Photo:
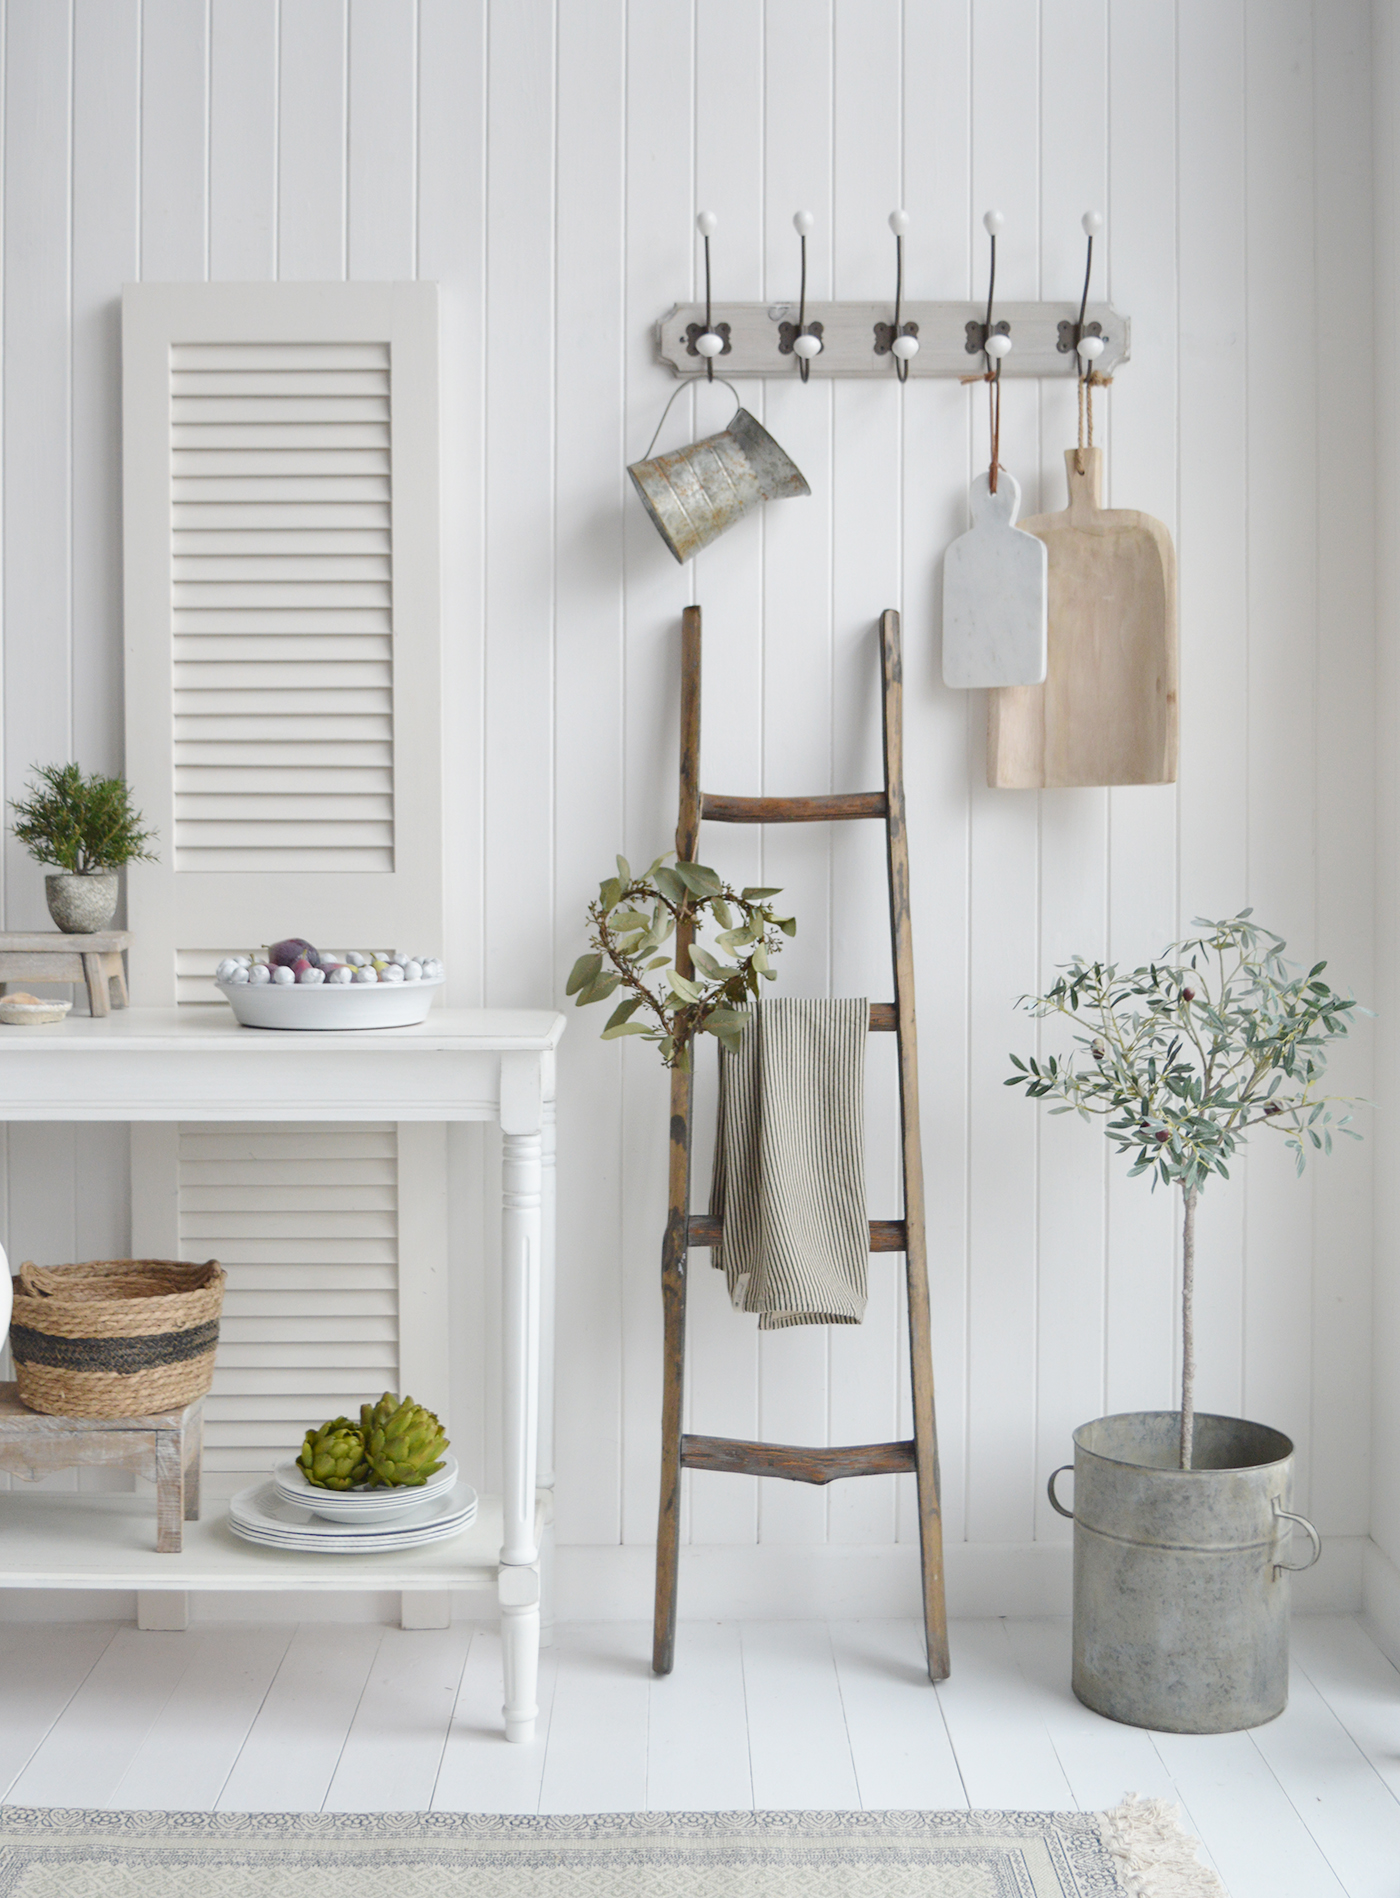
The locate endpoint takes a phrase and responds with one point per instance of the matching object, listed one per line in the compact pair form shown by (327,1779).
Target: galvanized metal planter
(694,493)
(1181,1593)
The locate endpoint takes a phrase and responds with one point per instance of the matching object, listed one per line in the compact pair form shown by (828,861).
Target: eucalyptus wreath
(1183,1058)
(632,920)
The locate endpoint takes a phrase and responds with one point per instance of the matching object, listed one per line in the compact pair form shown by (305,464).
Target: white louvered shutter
(283,704)
(282,580)
(332,1236)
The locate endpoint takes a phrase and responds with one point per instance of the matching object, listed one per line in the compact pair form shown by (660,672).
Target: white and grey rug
(1136,1851)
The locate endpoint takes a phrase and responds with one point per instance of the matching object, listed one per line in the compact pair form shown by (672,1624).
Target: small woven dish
(115,1337)
(27,1011)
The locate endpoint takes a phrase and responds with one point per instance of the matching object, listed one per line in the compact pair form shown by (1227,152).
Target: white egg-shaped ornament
(311,978)
(905,347)
(259,975)
(241,976)
(341,977)
(412,970)
(394,973)
(225,969)
(365,975)
(283,976)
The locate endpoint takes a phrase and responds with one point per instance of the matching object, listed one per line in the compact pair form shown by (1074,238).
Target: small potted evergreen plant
(1181,1521)
(87,828)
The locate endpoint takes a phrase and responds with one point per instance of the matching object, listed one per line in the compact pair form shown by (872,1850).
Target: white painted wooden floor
(260,1717)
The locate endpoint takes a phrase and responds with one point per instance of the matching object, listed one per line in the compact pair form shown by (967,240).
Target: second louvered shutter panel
(283,695)
(332,1238)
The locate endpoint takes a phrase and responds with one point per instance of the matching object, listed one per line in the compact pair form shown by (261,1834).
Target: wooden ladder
(685,1229)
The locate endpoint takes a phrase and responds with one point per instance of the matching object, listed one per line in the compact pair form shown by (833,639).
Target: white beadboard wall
(543,160)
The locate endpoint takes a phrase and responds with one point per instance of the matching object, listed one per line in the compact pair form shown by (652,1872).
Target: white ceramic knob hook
(807,346)
(709,344)
(992,223)
(706,223)
(998,344)
(899,223)
(1090,348)
(803,223)
(1091,223)
(904,347)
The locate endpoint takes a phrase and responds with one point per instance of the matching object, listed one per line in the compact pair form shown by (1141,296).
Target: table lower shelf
(61,1539)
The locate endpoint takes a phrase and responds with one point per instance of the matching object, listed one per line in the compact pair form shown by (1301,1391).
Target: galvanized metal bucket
(1181,1591)
(694,493)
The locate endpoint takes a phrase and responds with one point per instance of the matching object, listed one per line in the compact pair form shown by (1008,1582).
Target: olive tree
(1185,1058)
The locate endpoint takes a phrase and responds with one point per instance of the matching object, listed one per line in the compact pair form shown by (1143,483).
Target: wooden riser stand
(685,1230)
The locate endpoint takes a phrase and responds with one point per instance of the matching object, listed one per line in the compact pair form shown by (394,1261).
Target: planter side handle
(1060,1509)
(1284,1515)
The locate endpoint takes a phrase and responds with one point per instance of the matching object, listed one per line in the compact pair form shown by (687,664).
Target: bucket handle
(1295,1568)
(738,404)
(1055,1502)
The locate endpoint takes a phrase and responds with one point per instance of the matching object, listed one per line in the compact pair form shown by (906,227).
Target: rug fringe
(1156,1858)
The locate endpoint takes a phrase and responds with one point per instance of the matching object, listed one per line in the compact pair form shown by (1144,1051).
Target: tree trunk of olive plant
(1188,1329)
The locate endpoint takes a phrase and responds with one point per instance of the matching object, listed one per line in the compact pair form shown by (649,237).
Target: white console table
(149,1064)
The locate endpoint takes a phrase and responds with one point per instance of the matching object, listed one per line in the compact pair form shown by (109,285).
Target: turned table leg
(521,1237)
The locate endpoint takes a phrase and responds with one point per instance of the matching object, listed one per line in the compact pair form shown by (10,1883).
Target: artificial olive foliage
(81,824)
(1188,1054)
(632,920)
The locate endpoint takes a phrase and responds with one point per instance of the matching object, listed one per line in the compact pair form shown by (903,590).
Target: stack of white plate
(263,1514)
(376,1506)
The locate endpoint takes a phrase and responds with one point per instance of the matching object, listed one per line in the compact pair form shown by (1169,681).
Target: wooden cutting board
(994,594)
(1107,712)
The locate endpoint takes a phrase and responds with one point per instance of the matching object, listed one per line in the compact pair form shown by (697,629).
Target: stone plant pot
(82,905)
(1181,1592)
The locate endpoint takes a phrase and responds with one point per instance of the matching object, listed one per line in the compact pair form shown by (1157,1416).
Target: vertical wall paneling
(1283,606)
(243,139)
(382,99)
(311,142)
(1140,430)
(1003,937)
(590,451)
(174,141)
(866,534)
(659,255)
(1345,657)
(738,1385)
(939,419)
(451,252)
(542,161)
(1213,800)
(1073,1158)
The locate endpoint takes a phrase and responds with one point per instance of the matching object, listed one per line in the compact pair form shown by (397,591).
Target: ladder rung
(796,1464)
(793,810)
(886,1235)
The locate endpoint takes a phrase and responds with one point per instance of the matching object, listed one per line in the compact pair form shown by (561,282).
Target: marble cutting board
(994,595)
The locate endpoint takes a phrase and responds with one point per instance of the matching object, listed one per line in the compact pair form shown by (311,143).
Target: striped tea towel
(789,1177)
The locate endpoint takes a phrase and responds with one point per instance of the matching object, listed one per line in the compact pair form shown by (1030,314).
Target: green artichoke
(333,1457)
(403,1442)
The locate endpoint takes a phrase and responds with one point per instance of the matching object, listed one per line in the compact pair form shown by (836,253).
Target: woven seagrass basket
(115,1337)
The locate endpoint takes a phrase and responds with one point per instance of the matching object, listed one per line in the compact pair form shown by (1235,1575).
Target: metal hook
(710,339)
(992,340)
(900,340)
(801,339)
(1085,339)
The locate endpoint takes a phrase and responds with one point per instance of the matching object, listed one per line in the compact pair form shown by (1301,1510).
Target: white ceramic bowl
(329,1005)
(361,1505)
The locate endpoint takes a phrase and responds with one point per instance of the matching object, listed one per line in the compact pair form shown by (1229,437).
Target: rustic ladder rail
(685,1229)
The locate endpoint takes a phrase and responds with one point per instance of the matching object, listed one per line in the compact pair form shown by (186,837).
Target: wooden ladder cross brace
(685,1229)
